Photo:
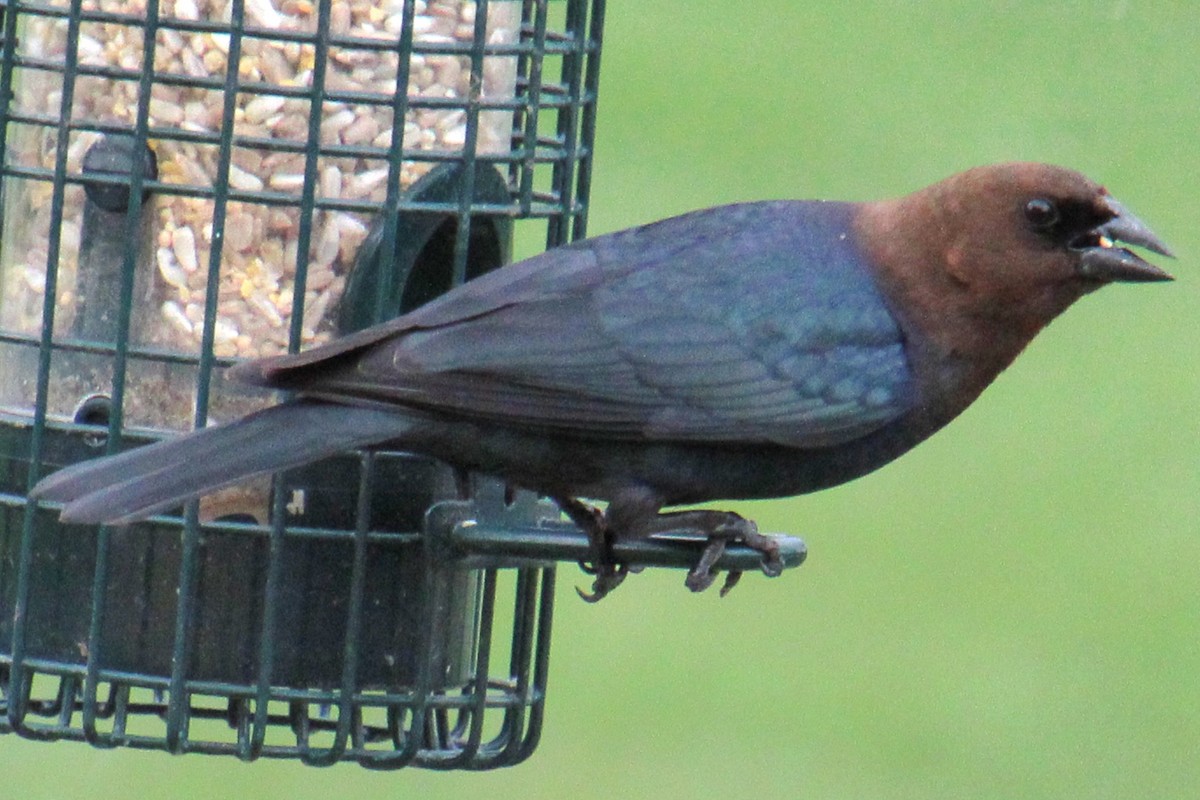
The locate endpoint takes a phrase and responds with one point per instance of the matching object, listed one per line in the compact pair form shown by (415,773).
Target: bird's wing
(751,323)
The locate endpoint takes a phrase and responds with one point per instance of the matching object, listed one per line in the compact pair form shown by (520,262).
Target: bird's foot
(721,528)
(607,573)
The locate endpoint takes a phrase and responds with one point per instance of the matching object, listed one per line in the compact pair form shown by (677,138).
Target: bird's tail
(146,480)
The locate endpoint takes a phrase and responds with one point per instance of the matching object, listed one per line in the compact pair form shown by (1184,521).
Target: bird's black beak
(1102,260)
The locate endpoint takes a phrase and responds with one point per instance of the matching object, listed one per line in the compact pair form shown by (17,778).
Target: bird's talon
(772,562)
(607,579)
(699,581)
(731,580)
(701,576)
(772,566)
(594,597)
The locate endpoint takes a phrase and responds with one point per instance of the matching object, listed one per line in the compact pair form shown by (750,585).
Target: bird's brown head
(991,255)
(1012,227)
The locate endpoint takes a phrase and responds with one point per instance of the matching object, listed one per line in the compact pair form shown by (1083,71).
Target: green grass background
(1012,610)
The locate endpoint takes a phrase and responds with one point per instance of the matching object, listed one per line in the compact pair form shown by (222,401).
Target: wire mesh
(191,182)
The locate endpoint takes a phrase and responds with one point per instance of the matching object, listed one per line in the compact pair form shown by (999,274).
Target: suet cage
(187,183)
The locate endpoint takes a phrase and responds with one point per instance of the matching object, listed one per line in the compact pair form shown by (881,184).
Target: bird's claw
(731,580)
(701,576)
(772,561)
(698,581)
(747,533)
(738,529)
(608,573)
(608,577)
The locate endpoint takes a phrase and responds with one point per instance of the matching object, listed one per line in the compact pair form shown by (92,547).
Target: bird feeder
(188,183)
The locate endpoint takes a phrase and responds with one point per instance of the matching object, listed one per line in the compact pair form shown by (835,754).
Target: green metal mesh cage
(190,182)
(187,183)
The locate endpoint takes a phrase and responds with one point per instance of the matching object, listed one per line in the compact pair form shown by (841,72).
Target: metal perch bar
(510,544)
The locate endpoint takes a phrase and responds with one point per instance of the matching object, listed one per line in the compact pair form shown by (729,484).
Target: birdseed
(259,241)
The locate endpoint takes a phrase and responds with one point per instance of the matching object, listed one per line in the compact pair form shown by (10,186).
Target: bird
(753,350)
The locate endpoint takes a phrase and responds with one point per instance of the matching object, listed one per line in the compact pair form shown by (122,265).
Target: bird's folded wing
(719,333)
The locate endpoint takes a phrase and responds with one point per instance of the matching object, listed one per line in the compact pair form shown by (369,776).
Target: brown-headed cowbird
(747,351)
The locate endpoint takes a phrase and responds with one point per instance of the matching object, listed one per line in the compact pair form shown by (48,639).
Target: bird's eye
(1041,213)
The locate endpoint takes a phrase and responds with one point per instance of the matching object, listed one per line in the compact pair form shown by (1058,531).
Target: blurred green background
(1013,610)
